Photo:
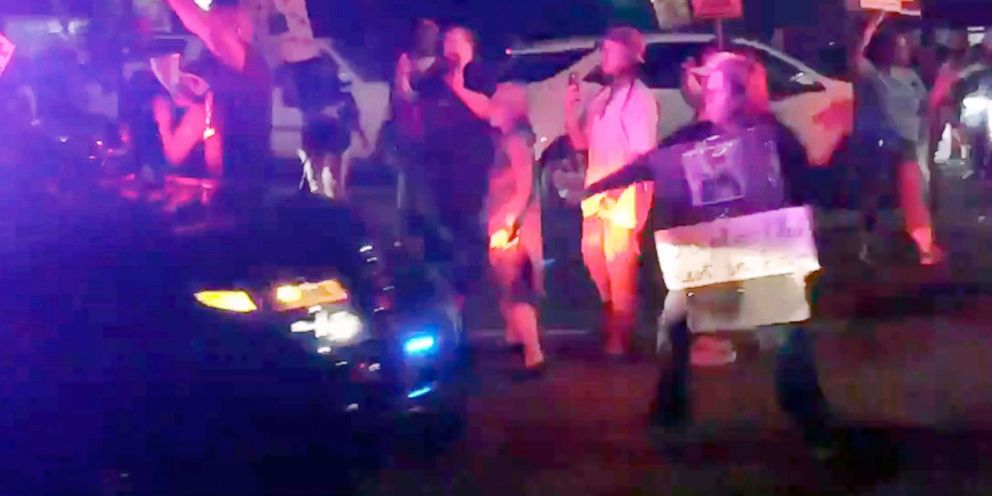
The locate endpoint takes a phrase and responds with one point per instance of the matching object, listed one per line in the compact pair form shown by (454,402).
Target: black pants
(877,166)
(796,383)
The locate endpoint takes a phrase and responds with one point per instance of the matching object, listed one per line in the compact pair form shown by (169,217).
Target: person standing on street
(458,152)
(735,110)
(412,65)
(890,102)
(619,125)
(239,78)
(514,211)
(413,198)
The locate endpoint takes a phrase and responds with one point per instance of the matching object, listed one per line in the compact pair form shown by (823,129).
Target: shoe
(864,254)
(514,348)
(663,434)
(531,373)
(934,256)
(825,448)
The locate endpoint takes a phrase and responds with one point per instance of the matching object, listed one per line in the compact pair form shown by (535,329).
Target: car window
(533,68)
(781,74)
(663,62)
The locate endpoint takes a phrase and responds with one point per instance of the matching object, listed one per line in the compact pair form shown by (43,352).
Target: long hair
(757,98)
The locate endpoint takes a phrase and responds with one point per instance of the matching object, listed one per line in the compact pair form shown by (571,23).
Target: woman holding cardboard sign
(737,255)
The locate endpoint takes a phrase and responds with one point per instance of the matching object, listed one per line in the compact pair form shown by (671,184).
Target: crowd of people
(469,186)
(447,102)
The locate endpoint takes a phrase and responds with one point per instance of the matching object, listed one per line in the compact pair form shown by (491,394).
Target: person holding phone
(618,125)
(455,95)
(241,83)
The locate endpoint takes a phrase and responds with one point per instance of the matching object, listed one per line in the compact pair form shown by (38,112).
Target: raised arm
(477,102)
(574,122)
(637,172)
(219,35)
(180,140)
(402,86)
(860,63)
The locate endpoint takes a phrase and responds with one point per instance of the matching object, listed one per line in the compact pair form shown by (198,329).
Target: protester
(734,107)
(942,116)
(413,195)
(970,92)
(241,84)
(888,127)
(514,211)
(619,125)
(458,151)
(413,65)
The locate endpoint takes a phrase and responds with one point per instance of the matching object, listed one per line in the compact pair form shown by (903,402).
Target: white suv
(799,94)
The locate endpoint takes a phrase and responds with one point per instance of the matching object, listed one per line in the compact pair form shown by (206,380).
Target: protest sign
(6,52)
(773,243)
(717,9)
(905,7)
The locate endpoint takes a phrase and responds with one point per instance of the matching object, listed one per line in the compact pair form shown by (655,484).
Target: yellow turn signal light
(231,301)
(308,294)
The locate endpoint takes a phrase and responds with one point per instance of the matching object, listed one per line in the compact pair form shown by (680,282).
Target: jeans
(797,385)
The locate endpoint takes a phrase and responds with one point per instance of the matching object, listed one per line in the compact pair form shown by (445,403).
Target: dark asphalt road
(903,354)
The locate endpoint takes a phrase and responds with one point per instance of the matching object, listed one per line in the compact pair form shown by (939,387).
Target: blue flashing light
(416,393)
(419,345)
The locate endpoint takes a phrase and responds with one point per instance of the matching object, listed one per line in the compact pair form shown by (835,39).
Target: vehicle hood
(288,239)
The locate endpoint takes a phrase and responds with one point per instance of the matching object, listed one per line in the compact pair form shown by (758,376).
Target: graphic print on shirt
(715,172)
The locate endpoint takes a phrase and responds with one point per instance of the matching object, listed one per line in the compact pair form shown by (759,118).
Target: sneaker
(662,434)
(514,348)
(931,257)
(531,373)
(864,254)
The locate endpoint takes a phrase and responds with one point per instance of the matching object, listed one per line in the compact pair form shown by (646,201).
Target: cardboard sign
(774,243)
(905,7)
(717,9)
(6,52)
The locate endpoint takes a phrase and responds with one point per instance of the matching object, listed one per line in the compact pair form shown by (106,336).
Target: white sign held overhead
(6,52)
(905,7)
(717,9)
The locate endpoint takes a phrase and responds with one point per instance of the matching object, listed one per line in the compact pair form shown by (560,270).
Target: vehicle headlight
(341,326)
(975,107)
(308,294)
(230,301)
(337,326)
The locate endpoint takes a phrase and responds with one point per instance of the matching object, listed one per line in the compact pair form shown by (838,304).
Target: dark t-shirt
(445,114)
(243,112)
(458,143)
(762,184)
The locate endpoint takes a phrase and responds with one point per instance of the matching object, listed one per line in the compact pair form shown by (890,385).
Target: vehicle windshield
(537,67)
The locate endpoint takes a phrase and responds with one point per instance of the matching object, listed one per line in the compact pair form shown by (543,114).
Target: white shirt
(903,94)
(622,126)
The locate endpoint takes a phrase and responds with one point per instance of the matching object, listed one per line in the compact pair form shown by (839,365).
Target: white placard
(6,52)
(774,243)
(904,7)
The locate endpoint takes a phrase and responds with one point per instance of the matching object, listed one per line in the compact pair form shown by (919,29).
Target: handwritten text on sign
(772,243)
(717,9)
